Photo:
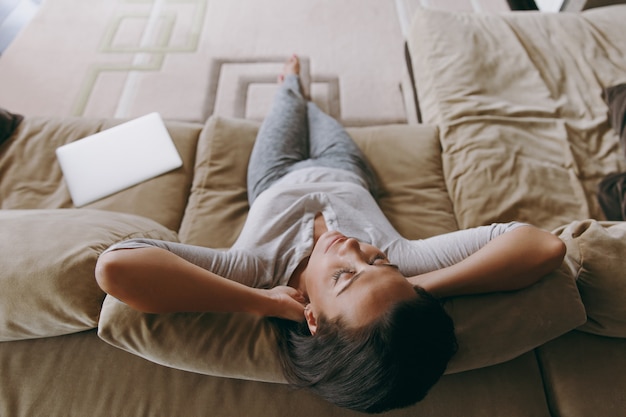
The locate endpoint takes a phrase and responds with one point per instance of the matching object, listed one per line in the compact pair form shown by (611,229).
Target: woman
(357,305)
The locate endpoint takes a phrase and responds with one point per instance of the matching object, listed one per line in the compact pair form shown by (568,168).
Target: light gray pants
(297,134)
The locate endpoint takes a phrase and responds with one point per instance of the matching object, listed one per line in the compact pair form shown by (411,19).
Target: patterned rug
(188,59)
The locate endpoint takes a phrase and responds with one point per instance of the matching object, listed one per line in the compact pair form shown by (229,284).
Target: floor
(189,59)
(14,15)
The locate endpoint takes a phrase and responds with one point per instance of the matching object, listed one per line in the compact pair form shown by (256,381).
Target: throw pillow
(47,282)
(595,253)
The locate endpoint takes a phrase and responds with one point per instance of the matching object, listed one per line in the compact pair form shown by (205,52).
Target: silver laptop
(117,158)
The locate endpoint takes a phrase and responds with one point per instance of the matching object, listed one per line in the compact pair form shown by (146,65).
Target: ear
(311,319)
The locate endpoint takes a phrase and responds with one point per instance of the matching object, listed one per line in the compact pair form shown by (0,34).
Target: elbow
(109,273)
(553,252)
(119,274)
(556,250)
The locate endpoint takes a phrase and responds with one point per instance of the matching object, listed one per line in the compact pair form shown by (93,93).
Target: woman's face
(352,280)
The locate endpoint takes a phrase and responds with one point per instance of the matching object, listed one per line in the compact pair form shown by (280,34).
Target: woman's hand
(285,302)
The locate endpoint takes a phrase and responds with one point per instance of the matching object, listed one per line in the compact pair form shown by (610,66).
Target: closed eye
(378,257)
(340,272)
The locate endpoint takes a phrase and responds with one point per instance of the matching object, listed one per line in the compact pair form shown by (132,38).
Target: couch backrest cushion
(407,160)
(47,281)
(31,178)
(518,99)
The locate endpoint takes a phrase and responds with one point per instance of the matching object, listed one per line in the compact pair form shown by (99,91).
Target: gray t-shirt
(278,233)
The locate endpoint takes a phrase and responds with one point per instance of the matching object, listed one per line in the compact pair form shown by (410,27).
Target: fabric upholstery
(584,375)
(79,375)
(502,150)
(516,118)
(47,285)
(31,178)
(229,345)
(493,328)
(595,253)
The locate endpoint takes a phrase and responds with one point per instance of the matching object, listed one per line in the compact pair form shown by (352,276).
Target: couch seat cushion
(584,375)
(47,283)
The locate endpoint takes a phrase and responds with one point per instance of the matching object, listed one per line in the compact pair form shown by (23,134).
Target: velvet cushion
(595,253)
(47,282)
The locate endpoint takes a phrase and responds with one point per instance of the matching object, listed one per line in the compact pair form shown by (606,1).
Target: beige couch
(492,150)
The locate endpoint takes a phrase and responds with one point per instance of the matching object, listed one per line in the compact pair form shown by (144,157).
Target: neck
(297,279)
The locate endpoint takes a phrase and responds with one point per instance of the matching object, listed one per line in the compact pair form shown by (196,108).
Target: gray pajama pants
(297,134)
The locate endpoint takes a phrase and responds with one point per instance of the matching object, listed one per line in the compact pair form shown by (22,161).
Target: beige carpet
(188,59)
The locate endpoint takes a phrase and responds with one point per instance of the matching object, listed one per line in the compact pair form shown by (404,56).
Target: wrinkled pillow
(596,254)
(491,329)
(47,282)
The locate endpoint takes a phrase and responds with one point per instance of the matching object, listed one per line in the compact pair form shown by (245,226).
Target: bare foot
(292,66)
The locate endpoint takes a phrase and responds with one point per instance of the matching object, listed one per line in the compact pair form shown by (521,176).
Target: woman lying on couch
(356,305)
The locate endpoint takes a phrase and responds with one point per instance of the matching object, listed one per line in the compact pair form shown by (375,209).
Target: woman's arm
(511,261)
(154,280)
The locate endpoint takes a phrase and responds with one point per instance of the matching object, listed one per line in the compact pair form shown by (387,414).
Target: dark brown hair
(390,363)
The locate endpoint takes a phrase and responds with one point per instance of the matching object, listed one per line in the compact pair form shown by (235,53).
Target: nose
(352,243)
(352,247)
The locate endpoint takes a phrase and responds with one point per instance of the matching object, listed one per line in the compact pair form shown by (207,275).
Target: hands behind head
(286,303)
